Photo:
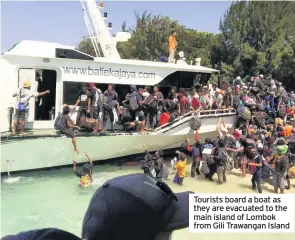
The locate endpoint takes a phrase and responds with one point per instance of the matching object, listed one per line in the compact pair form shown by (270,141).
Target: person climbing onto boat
(24,95)
(85,174)
(84,103)
(65,125)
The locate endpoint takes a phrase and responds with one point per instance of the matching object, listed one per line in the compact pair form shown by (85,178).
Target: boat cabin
(62,70)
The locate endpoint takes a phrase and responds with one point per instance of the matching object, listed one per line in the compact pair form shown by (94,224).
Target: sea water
(54,198)
(49,199)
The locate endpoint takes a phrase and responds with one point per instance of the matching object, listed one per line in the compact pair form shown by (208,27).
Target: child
(180,169)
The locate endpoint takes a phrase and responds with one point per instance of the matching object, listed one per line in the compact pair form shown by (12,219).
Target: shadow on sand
(249,186)
(237,174)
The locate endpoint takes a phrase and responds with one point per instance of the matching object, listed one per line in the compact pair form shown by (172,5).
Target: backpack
(184,145)
(165,171)
(195,123)
(133,104)
(196,151)
(151,103)
(205,169)
(100,99)
(20,106)
(236,101)
(282,111)
(59,122)
(291,145)
(222,157)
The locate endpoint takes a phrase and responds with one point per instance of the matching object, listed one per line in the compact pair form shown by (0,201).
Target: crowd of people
(262,143)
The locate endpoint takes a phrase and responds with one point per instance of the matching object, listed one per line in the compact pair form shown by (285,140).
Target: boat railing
(201,114)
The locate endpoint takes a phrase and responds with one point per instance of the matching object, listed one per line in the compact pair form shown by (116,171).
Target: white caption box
(234,213)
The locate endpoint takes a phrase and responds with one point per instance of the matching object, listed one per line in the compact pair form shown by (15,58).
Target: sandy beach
(235,184)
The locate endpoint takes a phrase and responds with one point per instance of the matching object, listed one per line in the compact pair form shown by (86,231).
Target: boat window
(71,54)
(71,91)
(184,79)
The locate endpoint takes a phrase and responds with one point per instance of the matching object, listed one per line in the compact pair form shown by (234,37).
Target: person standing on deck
(172,44)
(84,103)
(85,174)
(112,100)
(95,109)
(183,104)
(22,105)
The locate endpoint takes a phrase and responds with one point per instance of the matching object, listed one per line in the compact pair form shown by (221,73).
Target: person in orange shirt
(172,44)
(180,169)
(288,129)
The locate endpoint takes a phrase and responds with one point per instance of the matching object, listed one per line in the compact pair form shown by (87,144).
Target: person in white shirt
(145,93)
(23,95)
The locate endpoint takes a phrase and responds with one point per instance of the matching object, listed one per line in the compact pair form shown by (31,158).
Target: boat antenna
(101,35)
(90,31)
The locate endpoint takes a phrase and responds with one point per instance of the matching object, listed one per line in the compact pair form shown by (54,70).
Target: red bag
(164,118)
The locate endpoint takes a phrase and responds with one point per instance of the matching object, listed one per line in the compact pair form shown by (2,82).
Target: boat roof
(30,48)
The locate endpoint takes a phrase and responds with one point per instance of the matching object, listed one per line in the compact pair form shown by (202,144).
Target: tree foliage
(256,37)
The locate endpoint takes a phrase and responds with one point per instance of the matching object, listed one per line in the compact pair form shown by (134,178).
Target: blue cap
(134,207)
(41,234)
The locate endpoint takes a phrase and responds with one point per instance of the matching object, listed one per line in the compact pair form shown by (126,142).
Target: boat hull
(39,152)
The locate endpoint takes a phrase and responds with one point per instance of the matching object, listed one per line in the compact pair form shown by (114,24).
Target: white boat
(61,70)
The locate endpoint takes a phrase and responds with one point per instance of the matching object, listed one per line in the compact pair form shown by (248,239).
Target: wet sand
(235,185)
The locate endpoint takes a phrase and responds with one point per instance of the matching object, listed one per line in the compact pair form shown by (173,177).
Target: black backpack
(236,101)
(195,123)
(133,104)
(60,123)
(222,157)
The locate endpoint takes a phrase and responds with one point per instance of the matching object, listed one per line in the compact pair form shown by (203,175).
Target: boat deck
(54,133)
(43,133)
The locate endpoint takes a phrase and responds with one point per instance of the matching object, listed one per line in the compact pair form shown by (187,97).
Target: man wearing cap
(133,207)
(24,95)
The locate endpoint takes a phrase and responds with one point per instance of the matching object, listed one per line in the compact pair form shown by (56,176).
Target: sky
(62,22)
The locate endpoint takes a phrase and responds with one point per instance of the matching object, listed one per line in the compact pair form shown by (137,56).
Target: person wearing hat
(24,95)
(279,164)
(133,207)
(237,81)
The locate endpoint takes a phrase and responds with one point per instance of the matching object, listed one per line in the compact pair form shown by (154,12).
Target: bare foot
(76,150)
(13,134)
